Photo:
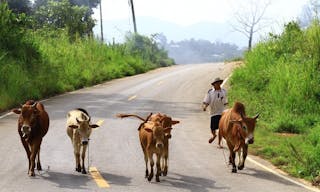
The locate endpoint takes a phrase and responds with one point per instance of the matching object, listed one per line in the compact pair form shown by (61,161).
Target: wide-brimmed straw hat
(217,80)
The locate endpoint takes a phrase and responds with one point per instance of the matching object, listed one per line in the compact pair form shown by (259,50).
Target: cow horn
(34,105)
(85,117)
(242,116)
(257,115)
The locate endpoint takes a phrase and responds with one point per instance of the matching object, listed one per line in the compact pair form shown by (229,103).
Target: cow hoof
(78,169)
(241,167)
(31,174)
(150,177)
(165,172)
(234,170)
(157,179)
(39,168)
(84,171)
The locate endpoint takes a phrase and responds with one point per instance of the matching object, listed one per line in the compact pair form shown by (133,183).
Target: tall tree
(250,19)
(61,14)
(20,6)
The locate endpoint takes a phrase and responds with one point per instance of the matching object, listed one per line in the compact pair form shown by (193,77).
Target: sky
(190,12)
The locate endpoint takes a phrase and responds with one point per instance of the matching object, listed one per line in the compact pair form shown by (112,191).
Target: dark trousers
(214,124)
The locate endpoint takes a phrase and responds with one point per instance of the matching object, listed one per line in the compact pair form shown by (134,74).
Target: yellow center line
(101,182)
(132,97)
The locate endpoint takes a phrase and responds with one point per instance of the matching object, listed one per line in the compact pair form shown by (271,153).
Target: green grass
(62,65)
(280,79)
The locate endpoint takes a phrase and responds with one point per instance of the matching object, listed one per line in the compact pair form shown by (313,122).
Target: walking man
(216,98)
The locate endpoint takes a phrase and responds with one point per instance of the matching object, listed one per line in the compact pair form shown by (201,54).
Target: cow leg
(158,168)
(151,165)
(76,148)
(244,156)
(146,161)
(39,168)
(28,152)
(83,156)
(165,163)
(232,157)
(34,151)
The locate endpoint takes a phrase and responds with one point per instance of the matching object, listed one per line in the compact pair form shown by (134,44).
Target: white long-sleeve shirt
(216,99)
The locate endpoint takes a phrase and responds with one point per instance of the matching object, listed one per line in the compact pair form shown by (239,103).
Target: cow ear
(175,122)
(74,126)
(148,130)
(94,126)
(167,130)
(16,111)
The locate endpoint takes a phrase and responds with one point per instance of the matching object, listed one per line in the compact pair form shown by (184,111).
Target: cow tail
(238,145)
(130,115)
(144,121)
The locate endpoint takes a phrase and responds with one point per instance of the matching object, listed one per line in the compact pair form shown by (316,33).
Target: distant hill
(198,43)
(221,32)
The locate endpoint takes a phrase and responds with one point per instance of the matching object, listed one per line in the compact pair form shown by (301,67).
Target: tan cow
(153,140)
(33,125)
(79,130)
(237,129)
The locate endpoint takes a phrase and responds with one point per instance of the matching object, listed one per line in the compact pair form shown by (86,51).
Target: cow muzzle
(85,141)
(25,129)
(249,140)
(159,145)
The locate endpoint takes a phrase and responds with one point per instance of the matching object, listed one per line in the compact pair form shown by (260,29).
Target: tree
(250,19)
(20,6)
(63,15)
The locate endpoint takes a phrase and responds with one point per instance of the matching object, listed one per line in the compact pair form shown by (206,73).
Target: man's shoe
(212,139)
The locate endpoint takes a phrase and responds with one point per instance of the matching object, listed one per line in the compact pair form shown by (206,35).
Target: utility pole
(101,27)
(133,16)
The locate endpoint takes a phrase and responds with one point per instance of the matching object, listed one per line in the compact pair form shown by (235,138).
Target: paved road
(115,151)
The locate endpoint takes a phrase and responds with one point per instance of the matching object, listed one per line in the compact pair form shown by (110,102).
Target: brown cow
(237,129)
(79,129)
(152,139)
(33,125)
(166,121)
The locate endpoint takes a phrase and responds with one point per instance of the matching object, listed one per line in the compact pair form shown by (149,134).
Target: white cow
(79,130)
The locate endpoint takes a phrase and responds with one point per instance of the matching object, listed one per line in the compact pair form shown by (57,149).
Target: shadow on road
(194,184)
(67,180)
(116,179)
(264,175)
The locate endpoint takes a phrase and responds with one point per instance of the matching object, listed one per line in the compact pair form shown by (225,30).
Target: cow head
(165,121)
(247,126)
(28,118)
(84,128)
(158,133)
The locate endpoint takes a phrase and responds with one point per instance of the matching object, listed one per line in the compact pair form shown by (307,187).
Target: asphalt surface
(114,149)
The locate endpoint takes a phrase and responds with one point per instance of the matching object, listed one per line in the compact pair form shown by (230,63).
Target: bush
(281,79)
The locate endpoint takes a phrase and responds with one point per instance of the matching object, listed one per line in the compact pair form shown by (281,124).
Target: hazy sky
(188,12)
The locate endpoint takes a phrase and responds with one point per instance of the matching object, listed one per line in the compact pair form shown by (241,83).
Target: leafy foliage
(63,15)
(281,79)
(12,35)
